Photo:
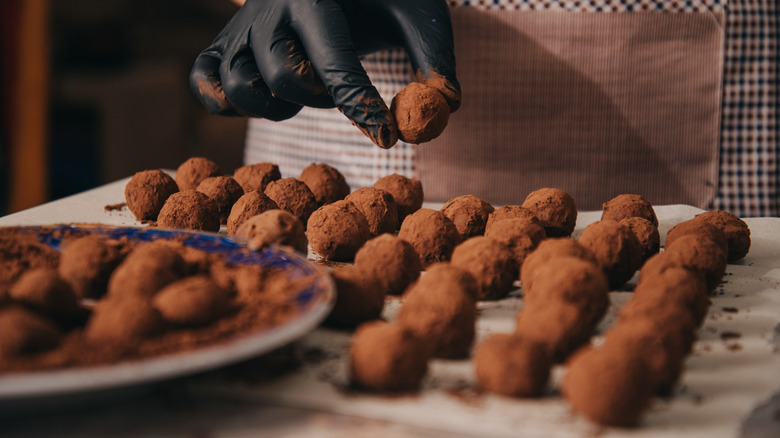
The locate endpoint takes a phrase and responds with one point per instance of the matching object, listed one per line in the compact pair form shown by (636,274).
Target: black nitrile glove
(275,56)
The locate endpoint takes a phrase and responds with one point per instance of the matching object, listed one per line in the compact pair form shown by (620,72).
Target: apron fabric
(595,97)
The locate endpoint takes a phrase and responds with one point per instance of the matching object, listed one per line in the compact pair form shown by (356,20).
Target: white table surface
(299,390)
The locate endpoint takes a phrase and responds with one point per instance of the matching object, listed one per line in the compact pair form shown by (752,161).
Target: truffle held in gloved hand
(275,56)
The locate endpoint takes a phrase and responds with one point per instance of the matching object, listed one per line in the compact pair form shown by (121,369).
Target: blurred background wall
(95,91)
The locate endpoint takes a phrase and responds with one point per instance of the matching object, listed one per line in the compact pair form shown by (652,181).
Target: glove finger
(247,92)
(325,34)
(428,39)
(207,86)
(287,69)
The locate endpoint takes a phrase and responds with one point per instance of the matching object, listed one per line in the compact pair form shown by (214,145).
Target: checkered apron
(673,99)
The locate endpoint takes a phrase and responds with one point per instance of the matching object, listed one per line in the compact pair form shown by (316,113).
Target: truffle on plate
(87,263)
(421,113)
(337,231)
(407,193)
(224,191)
(189,209)
(42,289)
(359,297)
(391,260)
(326,182)
(520,235)
(247,206)
(146,193)
(294,196)
(555,209)
(192,301)
(432,235)
(628,205)
(123,320)
(441,308)
(491,263)
(255,177)
(512,365)
(735,229)
(23,332)
(274,227)
(469,214)
(147,268)
(194,170)
(379,208)
(387,357)
(616,249)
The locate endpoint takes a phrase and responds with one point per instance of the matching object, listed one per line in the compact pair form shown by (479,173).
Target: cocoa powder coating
(646,234)
(359,297)
(294,196)
(521,235)
(86,264)
(546,251)
(421,113)
(326,182)
(702,255)
(392,261)
(144,271)
(379,208)
(247,206)
(509,212)
(337,231)
(274,227)
(616,249)
(432,235)
(491,263)
(387,357)
(257,176)
(127,320)
(224,191)
(676,287)
(511,365)
(469,214)
(43,290)
(628,205)
(735,230)
(190,173)
(407,193)
(146,193)
(191,210)
(555,209)
(559,326)
(698,228)
(25,332)
(192,301)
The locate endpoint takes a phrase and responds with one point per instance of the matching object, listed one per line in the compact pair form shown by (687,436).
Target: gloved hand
(275,56)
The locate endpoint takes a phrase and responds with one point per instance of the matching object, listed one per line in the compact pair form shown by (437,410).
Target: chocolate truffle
(698,228)
(191,172)
(407,193)
(326,182)
(293,196)
(191,210)
(43,290)
(123,320)
(608,387)
(23,332)
(676,319)
(662,350)
(491,263)
(573,280)
(616,249)
(387,357)
(391,260)
(421,113)
(469,214)
(337,231)
(250,205)
(735,229)
(625,206)
(441,308)
(678,287)
(509,212)
(555,210)
(520,235)
(359,297)
(192,301)
(146,193)
(546,251)
(87,263)
(646,234)
(432,235)
(558,326)
(379,208)
(224,191)
(255,177)
(147,268)
(274,227)
(700,254)
(512,365)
